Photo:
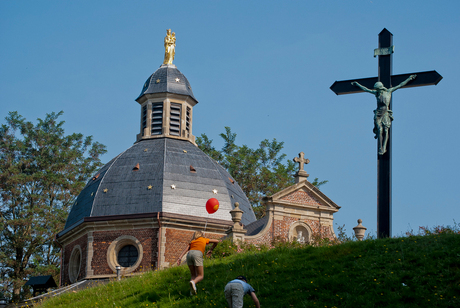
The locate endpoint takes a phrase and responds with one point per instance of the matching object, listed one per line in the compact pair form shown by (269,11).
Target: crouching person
(235,291)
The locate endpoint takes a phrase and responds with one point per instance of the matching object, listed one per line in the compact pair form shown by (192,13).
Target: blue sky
(263,68)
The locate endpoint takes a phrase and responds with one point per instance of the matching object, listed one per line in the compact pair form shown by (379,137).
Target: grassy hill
(415,271)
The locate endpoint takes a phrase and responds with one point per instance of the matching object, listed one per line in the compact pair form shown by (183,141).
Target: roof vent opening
(192,170)
(136,167)
(157,119)
(232,181)
(144,119)
(95,177)
(175,119)
(187,122)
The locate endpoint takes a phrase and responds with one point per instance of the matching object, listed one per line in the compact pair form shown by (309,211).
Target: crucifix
(301,175)
(382,89)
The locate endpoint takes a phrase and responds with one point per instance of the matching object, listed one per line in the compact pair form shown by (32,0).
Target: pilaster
(90,252)
(161,258)
(166,116)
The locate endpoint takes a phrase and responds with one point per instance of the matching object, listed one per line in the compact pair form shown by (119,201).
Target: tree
(259,172)
(42,170)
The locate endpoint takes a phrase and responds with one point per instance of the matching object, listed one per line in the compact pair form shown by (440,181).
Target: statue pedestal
(301,176)
(236,233)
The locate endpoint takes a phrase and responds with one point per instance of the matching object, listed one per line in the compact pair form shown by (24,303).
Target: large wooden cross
(384,52)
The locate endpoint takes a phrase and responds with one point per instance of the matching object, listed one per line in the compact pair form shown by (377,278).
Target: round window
(125,251)
(127,256)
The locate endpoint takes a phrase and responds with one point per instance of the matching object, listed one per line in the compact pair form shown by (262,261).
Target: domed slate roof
(164,182)
(167,79)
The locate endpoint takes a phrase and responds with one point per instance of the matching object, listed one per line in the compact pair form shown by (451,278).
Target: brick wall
(279,230)
(301,197)
(262,239)
(177,240)
(103,239)
(83,242)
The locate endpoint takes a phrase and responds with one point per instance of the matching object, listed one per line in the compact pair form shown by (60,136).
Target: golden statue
(170,47)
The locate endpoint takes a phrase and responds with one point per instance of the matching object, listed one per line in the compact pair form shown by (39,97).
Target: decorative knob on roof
(170,47)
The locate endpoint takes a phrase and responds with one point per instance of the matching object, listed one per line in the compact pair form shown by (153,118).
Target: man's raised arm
(402,84)
(354,83)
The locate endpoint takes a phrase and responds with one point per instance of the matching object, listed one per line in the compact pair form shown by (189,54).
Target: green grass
(415,271)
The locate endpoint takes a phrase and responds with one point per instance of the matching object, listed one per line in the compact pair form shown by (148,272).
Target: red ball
(212,205)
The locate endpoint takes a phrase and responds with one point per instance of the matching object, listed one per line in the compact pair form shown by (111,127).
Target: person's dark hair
(242,278)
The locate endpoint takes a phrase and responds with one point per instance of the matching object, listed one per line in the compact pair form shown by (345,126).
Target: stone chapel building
(140,210)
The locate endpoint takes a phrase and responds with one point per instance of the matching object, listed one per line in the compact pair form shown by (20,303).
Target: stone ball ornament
(212,205)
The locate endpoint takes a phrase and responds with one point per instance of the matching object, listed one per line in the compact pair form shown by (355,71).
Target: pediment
(303,194)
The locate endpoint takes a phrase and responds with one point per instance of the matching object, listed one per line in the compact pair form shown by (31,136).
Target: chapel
(139,211)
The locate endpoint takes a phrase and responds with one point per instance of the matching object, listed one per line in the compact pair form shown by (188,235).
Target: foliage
(259,172)
(342,234)
(455,229)
(415,271)
(226,248)
(42,170)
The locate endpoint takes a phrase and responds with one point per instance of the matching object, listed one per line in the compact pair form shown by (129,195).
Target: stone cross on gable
(301,175)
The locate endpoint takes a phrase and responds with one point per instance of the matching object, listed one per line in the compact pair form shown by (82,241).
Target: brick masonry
(297,205)
(301,197)
(177,240)
(102,240)
(279,230)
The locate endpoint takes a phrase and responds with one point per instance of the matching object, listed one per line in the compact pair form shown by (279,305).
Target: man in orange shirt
(195,257)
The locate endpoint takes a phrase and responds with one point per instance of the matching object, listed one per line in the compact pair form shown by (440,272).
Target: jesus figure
(383,115)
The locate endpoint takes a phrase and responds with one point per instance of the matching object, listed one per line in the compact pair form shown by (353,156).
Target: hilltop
(414,271)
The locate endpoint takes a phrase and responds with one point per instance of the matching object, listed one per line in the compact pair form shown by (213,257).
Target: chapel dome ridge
(167,79)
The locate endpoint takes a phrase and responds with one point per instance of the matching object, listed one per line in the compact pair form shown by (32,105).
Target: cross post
(384,52)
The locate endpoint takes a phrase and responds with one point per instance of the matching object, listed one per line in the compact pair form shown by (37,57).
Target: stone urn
(237,214)
(360,230)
